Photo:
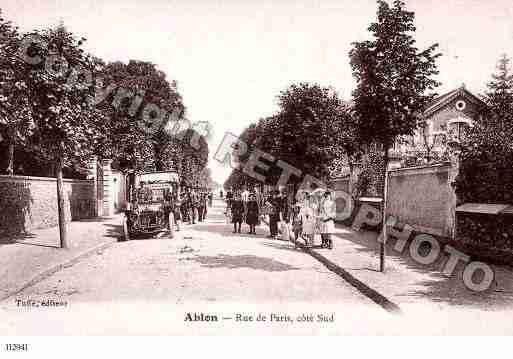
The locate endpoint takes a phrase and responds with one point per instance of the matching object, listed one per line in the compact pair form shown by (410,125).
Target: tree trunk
(385,166)
(382,245)
(10,140)
(60,203)
(10,167)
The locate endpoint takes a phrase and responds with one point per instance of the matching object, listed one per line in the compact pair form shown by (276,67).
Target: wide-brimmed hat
(319,191)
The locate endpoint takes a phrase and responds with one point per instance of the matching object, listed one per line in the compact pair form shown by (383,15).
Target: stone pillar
(92,174)
(108,195)
(453,173)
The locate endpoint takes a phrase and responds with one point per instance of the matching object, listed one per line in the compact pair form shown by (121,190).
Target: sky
(232,58)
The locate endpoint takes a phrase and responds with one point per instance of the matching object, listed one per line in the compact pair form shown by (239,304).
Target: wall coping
(6,178)
(340,178)
(420,169)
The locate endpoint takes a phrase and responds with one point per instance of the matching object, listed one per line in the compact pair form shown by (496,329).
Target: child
(296,223)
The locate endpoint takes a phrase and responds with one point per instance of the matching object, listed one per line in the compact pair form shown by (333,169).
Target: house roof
(447,98)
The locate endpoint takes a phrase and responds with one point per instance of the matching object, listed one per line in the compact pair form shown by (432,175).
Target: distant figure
(194,205)
(221,194)
(252,213)
(284,206)
(245,195)
(237,210)
(210,198)
(203,205)
(184,207)
(229,196)
(296,222)
(273,210)
(307,218)
(177,204)
(259,198)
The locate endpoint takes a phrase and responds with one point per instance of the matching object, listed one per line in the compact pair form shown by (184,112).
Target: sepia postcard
(268,168)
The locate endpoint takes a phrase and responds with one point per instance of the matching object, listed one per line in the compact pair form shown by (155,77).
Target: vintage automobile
(149,208)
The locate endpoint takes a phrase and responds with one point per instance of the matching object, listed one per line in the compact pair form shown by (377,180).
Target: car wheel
(126,233)
(171,225)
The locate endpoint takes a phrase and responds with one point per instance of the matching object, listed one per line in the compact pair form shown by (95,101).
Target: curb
(363,288)
(57,267)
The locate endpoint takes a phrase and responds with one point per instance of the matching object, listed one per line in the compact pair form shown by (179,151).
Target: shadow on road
(243,261)
(114,231)
(287,246)
(439,287)
(226,230)
(22,238)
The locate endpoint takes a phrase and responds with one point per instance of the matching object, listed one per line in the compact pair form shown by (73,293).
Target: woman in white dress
(307,216)
(327,217)
(315,206)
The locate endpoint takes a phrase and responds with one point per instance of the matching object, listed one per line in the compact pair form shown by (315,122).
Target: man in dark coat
(284,206)
(229,196)
(237,208)
(194,204)
(184,207)
(210,198)
(275,214)
(252,213)
(202,207)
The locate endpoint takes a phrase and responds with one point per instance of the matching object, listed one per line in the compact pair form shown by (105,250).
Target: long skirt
(327,227)
(177,214)
(185,214)
(273,224)
(237,218)
(309,226)
(252,218)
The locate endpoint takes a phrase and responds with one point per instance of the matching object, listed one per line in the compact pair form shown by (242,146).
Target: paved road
(205,267)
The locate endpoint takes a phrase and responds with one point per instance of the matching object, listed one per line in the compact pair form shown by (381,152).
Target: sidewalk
(407,283)
(36,256)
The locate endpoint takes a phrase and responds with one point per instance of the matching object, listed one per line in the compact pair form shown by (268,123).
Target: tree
(16,122)
(392,77)
(499,98)
(138,90)
(392,80)
(486,158)
(306,133)
(68,127)
(191,155)
(346,146)
(312,132)
(205,179)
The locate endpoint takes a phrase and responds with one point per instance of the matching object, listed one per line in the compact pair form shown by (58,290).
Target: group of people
(190,206)
(244,207)
(312,215)
(307,215)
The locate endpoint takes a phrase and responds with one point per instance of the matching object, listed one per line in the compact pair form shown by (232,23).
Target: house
(447,119)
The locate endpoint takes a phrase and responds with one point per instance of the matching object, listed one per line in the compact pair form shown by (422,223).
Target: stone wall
(423,198)
(28,203)
(340,184)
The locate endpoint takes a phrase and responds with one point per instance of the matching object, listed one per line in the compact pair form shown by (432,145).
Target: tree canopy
(392,76)
(16,122)
(394,80)
(486,169)
(68,126)
(311,131)
(138,91)
(499,97)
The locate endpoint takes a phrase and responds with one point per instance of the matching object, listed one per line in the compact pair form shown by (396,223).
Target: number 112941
(16,347)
